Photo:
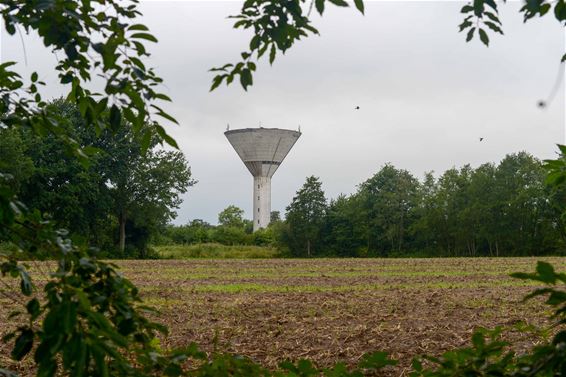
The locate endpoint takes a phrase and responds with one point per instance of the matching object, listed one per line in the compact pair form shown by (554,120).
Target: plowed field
(335,309)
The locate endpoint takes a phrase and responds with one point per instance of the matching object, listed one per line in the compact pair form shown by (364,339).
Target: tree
(59,186)
(13,160)
(341,231)
(305,217)
(91,323)
(145,189)
(120,185)
(388,203)
(231,216)
(90,310)
(274,216)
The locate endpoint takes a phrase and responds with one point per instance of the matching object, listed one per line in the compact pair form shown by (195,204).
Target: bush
(215,251)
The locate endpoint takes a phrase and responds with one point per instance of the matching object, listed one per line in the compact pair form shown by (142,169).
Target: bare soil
(333,309)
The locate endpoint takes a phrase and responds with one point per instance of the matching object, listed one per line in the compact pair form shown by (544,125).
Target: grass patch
(215,251)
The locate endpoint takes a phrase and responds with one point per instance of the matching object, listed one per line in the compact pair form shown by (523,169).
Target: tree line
(503,209)
(116,203)
(232,229)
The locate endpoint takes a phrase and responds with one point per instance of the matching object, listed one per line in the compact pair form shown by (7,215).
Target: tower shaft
(262,202)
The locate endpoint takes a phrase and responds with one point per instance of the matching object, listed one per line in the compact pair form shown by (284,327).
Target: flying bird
(481,139)
(357,107)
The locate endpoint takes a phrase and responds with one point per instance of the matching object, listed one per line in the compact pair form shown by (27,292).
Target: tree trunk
(122,222)
(309,248)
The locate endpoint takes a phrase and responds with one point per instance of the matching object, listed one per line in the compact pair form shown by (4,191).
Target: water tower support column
(262,202)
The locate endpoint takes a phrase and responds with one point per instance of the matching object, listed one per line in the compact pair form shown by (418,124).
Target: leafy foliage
(122,187)
(483,15)
(91,320)
(276,26)
(489,356)
(305,216)
(96,39)
(231,216)
(493,210)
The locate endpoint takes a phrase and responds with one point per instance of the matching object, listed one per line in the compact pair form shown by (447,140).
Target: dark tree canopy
(305,216)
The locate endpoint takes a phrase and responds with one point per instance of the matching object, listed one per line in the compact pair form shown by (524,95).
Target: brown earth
(333,309)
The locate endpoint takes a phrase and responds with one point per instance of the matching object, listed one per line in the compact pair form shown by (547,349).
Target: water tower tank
(262,150)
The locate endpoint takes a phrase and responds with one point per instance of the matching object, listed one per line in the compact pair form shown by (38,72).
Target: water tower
(262,150)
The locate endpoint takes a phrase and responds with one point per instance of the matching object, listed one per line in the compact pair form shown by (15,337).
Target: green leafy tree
(305,218)
(14,163)
(388,200)
(274,216)
(74,196)
(121,185)
(145,190)
(341,231)
(92,320)
(231,216)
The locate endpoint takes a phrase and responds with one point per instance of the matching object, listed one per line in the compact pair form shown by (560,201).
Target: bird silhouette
(357,107)
(481,139)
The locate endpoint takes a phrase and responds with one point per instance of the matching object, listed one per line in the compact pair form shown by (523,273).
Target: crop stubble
(335,309)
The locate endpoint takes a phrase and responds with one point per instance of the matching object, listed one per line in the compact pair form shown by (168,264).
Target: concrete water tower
(262,150)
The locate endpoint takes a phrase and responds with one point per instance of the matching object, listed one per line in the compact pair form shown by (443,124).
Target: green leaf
(164,115)
(115,118)
(493,27)
(478,7)
(467,9)
(478,340)
(138,27)
(216,81)
(464,25)
(272,54)
(3,66)
(254,43)
(23,344)
(145,36)
(483,37)
(360,5)
(34,77)
(492,17)
(168,139)
(246,78)
(319,4)
(560,11)
(340,3)
(417,365)
(25,283)
(376,360)
(470,34)
(33,308)
(491,3)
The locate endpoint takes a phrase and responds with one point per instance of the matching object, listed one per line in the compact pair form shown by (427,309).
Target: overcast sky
(425,96)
